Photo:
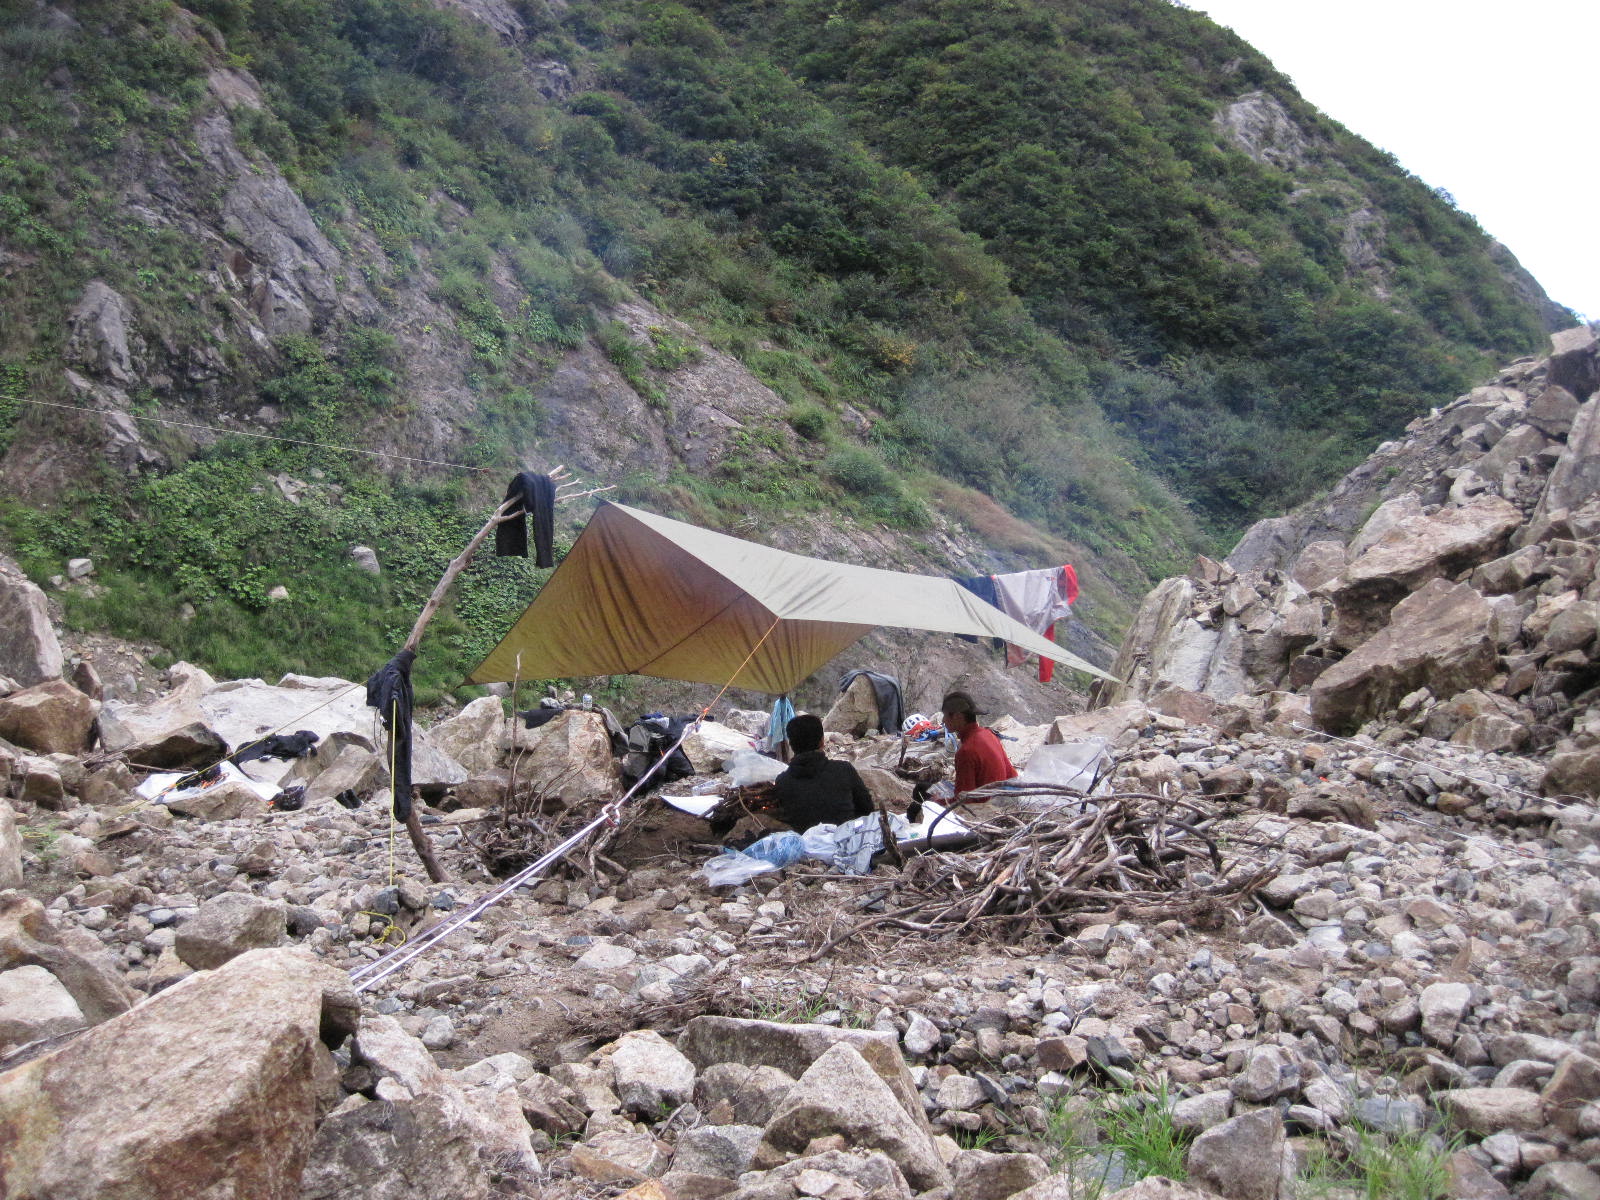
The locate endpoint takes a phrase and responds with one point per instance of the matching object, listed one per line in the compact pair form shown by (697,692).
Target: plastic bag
(731,868)
(1075,765)
(772,852)
(746,767)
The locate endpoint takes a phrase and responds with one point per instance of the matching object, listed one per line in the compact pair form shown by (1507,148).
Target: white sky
(1493,100)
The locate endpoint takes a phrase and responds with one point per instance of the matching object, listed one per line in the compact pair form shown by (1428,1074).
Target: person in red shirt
(981,759)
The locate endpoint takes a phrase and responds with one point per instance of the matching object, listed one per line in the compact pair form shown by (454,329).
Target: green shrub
(860,472)
(810,421)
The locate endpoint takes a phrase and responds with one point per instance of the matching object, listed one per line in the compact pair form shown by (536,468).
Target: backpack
(647,740)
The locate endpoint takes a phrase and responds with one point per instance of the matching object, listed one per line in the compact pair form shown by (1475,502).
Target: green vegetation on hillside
(1004,240)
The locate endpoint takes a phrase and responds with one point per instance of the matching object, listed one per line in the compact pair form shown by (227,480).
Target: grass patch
(1381,1166)
(1109,1140)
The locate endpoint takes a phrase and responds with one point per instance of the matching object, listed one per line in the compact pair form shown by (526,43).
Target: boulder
(980,1175)
(99,333)
(1575,360)
(649,1073)
(52,717)
(1110,723)
(840,1093)
(1553,410)
(622,1155)
(229,924)
(712,743)
(841,1174)
(1319,564)
(243,710)
(1242,1158)
(1573,773)
(1443,1005)
(1576,475)
(1418,549)
(1486,1110)
(570,756)
(793,1048)
(34,1004)
(173,732)
(1439,637)
(407,1149)
(1575,1083)
(205,1090)
(29,650)
(1159,1187)
(724,1151)
(472,736)
(426,1137)
(751,1094)
(855,712)
(28,939)
(229,800)
(1562,1181)
(354,768)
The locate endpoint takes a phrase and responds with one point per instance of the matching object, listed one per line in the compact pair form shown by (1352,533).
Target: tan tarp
(643,595)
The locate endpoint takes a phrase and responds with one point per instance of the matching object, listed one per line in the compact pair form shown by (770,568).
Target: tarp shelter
(643,595)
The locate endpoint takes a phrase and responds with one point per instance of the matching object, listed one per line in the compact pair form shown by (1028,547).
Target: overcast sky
(1492,100)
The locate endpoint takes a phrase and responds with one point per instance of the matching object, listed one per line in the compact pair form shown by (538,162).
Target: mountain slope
(703,255)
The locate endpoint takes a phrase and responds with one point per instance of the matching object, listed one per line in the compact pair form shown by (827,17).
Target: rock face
(206,1090)
(29,650)
(1458,559)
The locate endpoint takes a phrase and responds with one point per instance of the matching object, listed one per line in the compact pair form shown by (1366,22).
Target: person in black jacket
(817,790)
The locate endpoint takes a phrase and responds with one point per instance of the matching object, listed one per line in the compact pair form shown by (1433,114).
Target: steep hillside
(739,262)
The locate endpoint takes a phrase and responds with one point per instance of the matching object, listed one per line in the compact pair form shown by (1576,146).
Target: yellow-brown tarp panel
(643,595)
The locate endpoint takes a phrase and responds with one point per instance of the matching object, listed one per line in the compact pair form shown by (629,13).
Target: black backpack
(648,739)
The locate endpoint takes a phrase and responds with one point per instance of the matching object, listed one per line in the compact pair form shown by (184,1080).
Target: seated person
(980,759)
(816,790)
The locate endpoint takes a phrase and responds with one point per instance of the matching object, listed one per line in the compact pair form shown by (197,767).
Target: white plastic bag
(746,767)
(732,868)
(1075,765)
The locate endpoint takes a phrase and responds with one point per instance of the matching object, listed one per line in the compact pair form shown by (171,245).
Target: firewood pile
(1052,863)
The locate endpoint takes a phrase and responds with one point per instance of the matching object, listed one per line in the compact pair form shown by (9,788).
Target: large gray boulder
(1440,637)
(205,1090)
(841,1094)
(172,732)
(29,650)
(472,736)
(1415,550)
(229,924)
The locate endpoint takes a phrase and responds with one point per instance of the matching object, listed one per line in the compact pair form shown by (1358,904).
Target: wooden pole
(457,565)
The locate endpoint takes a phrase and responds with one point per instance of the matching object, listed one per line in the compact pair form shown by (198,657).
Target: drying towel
(389,691)
(1038,599)
(981,586)
(536,495)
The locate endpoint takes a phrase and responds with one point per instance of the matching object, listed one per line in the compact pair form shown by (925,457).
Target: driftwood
(1049,871)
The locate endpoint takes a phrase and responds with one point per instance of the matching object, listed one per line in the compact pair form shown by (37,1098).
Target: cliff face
(1445,588)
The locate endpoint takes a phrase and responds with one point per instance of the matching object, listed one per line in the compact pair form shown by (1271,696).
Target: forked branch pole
(458,564)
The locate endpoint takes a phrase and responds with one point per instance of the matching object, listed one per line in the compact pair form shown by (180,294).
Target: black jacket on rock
(817,790)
